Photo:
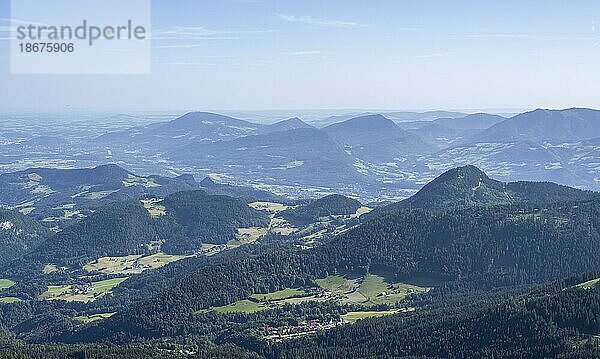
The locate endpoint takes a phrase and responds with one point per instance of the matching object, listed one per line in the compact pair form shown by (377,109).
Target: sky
(340,54)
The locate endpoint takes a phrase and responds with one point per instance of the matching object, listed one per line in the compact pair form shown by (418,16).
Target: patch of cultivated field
(378,291)
(94,317)
(154,207)
(335,284)
(82,293)
(369,290)
(67,215)
(279,295)
(352,317)
(9,300)
(50,268)
(250,235)
(271,207)
(99,195)
(139,181)
(281,226)
(589,284)
(6,283)
(362,210)
(132,264)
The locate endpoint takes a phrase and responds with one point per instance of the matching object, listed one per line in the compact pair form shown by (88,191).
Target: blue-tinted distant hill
(285,125)
(194,126)
(60,196)
(477,121)
(375,138)
(568,125)
(304,156)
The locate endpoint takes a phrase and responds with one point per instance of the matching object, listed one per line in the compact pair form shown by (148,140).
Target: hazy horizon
(254,55)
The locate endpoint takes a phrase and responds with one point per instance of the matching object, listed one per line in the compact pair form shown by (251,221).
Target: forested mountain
(244,193)
(18,235)
(188,219)
(200,127)
(60,196)
(285,125)
(208,219)
(474,248)
(469,186)
(375,138)
(570,125)
(327,206)
(480,253)
(477,121)
(303,155)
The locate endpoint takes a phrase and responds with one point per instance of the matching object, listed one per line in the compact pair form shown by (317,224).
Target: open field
(241,306)
(82,293)
(334,283)
(250,235)
(8,300)
(378,291)
(352,317)
(6,283)
(50,268)
(281,226)
(94,317)
(133,264)
(369,290)
(279,295)
(270,207)
(589,284)
(154,207)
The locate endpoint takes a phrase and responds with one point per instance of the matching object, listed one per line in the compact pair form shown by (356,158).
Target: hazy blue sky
(393,54)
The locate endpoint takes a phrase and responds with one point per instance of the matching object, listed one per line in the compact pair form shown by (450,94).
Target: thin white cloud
(308,53)
(200,33)
(309,20)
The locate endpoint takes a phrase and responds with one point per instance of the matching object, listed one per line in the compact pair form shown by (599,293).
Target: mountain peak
(208,182)
(285,125)
(464,172)
(371,121)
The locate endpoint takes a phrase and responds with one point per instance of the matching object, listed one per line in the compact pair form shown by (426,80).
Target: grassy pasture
(132,264)
(94,317)
(369,290)
(154,207)
(241,306)
(279,295)
(250,235)
(589,284)
(271,207)
(50,268)
(8,300)
(352,317)
(6,283)
(69,294)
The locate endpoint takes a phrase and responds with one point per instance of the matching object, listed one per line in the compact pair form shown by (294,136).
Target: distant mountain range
(60,196)
(371,155)
(571,125)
